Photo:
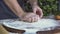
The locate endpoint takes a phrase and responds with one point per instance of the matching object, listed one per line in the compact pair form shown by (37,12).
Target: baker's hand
(37,10)
(30,17)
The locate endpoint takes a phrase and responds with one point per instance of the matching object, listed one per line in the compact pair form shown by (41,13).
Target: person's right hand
(30,17)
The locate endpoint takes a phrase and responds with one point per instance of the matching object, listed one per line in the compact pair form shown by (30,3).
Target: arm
(14,6)
(33,2)
(36,9)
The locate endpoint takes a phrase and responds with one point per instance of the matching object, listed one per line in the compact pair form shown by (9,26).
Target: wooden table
(39,32)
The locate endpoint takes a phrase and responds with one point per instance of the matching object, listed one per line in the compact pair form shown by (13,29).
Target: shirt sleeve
(0,0)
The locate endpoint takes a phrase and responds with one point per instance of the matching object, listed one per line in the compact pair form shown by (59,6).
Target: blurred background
(50,7)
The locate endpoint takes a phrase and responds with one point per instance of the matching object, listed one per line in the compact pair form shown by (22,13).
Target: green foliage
(48,6)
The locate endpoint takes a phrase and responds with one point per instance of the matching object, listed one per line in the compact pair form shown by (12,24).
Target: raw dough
(43,23)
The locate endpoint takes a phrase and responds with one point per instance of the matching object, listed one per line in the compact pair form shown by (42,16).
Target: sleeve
(0,0)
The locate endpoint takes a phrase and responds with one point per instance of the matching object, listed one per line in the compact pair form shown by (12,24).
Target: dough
(43,23)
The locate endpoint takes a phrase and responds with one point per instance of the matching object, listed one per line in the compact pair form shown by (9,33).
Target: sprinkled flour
(43,23)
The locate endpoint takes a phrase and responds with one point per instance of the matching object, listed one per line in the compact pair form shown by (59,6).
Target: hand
(30,17)
(37,10)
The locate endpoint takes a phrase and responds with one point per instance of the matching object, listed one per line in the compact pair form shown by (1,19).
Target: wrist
(34,4)
(21,14)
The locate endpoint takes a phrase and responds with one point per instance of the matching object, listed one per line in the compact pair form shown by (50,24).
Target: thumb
(40,13)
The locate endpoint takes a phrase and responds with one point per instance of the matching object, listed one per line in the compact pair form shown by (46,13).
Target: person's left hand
(37,10)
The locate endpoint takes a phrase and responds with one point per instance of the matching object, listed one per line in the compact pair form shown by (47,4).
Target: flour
(40,25)
(43,23)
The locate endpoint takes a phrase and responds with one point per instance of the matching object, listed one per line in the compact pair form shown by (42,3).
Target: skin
(29,17)
(16,8)
(36,9)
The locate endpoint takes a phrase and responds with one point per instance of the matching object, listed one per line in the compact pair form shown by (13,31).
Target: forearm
(14,6)
(33,2)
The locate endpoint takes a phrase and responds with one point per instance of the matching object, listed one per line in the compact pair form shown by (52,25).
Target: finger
(38,18)
(40,13)
(29,20)
(32,19)
(39,10)
(35,19)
